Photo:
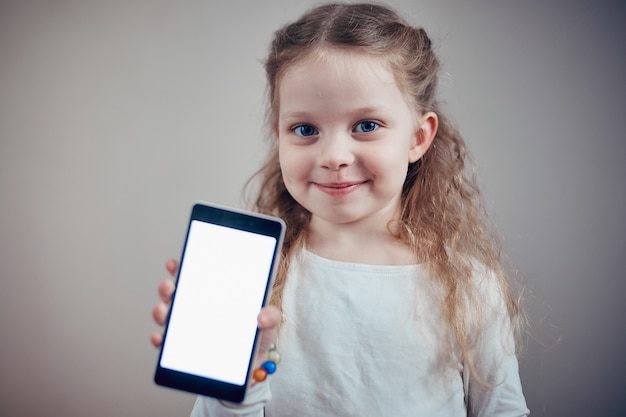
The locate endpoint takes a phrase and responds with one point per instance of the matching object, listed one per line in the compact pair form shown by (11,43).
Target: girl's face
(346,136)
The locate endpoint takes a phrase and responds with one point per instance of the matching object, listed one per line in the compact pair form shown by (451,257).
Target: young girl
(391,298)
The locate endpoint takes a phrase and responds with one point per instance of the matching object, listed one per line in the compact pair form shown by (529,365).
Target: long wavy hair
(442,214)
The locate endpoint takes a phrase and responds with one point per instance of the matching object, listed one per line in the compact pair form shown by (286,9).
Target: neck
(373,244)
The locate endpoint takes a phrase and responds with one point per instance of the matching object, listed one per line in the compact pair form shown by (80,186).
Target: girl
(391,299)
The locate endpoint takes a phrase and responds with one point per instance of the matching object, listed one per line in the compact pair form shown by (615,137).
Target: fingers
(156,338)
(166,289)
(159,314)
(268,320)
(171,265)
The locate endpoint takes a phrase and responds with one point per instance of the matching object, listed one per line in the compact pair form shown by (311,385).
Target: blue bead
(269,366)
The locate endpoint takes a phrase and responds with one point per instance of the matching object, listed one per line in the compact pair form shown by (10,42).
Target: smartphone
(224,278)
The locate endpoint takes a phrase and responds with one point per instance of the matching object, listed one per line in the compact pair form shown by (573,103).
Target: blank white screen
(219,294)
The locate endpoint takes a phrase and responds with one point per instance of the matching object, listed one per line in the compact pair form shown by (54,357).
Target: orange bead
(259,374)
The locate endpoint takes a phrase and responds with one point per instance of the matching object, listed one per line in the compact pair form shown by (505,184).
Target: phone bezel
(239,220)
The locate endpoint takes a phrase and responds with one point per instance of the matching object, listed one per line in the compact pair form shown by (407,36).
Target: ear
(424,135)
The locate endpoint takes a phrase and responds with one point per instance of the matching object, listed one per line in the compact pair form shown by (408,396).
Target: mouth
(337,189)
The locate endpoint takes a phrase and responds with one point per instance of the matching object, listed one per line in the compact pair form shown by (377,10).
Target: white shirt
(367,340)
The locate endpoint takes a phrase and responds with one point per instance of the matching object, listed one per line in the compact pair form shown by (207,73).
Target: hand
(268,319)
(159,312)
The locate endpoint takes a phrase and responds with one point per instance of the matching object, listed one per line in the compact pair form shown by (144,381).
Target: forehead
(338,80)
(338,63)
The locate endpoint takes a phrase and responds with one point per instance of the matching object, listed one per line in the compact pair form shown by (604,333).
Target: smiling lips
(338,189)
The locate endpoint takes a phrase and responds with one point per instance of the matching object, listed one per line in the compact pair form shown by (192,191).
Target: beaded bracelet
(269,366)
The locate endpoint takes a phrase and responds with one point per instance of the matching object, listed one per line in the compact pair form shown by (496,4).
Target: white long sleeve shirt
(368,340)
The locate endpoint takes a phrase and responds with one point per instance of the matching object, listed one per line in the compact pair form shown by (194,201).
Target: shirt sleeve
(497,391)
(252,406)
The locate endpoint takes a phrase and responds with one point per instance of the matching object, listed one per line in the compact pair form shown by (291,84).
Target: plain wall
(115,116)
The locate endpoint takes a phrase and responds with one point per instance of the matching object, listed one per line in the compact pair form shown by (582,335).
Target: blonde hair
(442,214)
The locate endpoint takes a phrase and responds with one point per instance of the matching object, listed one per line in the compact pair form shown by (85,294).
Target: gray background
(116,115)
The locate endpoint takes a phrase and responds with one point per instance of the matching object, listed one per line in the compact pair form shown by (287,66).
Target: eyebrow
(293,115)
(359,110)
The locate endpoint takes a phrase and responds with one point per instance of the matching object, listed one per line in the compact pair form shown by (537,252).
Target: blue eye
(366,126)
(305,130)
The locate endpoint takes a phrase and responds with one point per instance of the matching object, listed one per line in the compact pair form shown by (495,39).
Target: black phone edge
(205,386)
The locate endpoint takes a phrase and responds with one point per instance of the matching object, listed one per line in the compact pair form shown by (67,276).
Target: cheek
(282,159)
(391,169)
(385,163)
(288,165)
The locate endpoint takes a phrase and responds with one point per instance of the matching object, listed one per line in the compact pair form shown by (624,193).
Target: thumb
(268,320)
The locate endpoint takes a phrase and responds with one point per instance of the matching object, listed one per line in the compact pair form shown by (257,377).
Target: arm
(499,390)
(503,397)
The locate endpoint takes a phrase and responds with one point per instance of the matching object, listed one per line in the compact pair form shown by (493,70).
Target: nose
(336,152)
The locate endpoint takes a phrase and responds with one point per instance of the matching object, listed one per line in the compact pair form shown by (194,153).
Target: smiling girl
(391,298)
